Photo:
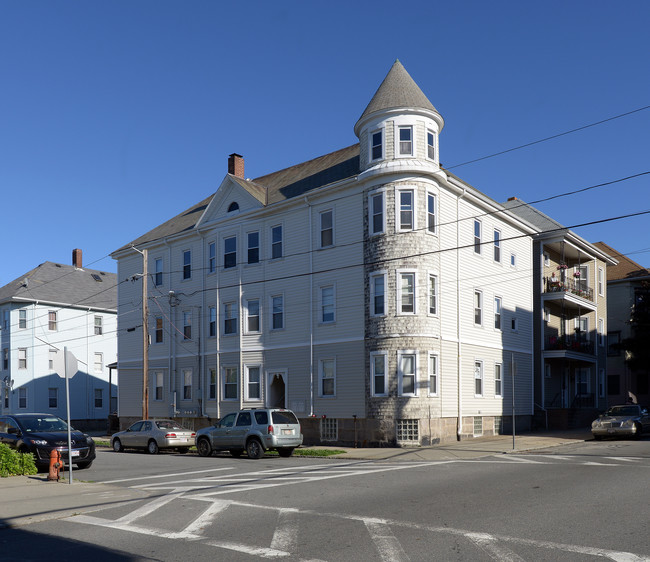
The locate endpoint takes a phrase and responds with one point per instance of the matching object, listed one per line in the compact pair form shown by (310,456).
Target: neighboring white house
(371,291)
(52,307)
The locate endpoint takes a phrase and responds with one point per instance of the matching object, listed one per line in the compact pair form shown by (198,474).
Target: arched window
(234,206)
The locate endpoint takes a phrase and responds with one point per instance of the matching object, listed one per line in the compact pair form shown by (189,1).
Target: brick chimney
(76,258)
(236,165)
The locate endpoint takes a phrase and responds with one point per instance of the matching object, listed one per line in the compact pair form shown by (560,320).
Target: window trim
(478,307)
(372,145)
(158,377)
(250,248)
(228,261)
(321,230)
(322,378)
(23,397)
(601,282)
(249,316)
(497,245)
(22,319)
(22,358)
(96,355)
(52,320)
(401,375)
(187,325)
(383,275)
(158,330)
(232,320)
(187,265)
(185,372)
(275,243)
(498,368)
(371,212)
(398,208)
(478,363)
(158,271)
(212,257)
(373,375)
(212,321)
(433,359)
(432,145)
(50,398)
(429,195)
(436,295)
(498,313)
(601,332)
(98,327)
(321,304)
(399,274)
(477,237)
(399,141)
(212,383)
(273,313)
(247,382)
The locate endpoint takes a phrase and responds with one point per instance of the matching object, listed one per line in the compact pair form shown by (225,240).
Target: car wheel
(236,453)
(117,446)
(84,464)
(285,451)
(152,447)
(183,450)
(203,447)
(254,449)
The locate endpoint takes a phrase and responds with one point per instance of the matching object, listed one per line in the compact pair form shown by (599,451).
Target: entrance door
(277,389)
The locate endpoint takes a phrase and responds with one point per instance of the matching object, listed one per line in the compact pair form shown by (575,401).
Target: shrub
(13,463)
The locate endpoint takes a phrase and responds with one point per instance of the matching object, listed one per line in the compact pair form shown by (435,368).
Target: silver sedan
(625,420)
(153,435)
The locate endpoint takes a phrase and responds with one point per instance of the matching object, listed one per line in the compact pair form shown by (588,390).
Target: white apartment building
(374,293)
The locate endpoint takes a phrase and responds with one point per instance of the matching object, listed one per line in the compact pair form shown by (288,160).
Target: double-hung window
(187,384)
(22,398)
(498,379)
(376,148)
(99,398)
(212,257)
(376,213)
(433,374)
(158,272)
(158,389)
(253,247)
(187,264)
(431,213)
(405,141)
(601,332)
(477,237)
(22,358)
(212,386)
(230,318)
(276,242)
(601,282)
(497,245)
(158,330)
(497,313)
(327,375)
(53,397)
(431,145)
(277,312)
(229,252)
(22,319)
(407,374)
(433,294)
(406,210)
(187,325)
(377,294)
(99,362)
(99,325)
(253,316)
(51,320)
(253,383)
(326,228)
(327,304)
(406,292)
(478,378)
(378,373)
(212,321)
(478,308)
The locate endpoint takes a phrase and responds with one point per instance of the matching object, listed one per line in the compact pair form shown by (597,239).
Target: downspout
(202,370)
(240,328)
(311,312)
(459,422)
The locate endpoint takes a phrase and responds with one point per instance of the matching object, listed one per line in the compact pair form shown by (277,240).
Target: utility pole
(145,338)
(145,334)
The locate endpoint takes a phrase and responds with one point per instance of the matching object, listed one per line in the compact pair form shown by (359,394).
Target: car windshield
(623,411)
(284,416)
(170,425)
(33,424)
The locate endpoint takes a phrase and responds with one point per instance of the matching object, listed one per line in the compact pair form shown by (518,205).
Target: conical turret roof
(397,90)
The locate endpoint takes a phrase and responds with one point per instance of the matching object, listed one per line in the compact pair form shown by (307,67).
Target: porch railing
(569,343)
(578,288)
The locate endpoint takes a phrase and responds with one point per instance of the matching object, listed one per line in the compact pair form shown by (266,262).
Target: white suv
(254,430)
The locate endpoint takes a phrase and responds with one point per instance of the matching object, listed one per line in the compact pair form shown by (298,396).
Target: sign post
(67,368)
(513,371)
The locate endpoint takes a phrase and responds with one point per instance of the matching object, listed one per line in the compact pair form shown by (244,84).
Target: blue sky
(116,116)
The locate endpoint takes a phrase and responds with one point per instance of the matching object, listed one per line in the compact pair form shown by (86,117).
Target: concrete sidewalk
(28,499)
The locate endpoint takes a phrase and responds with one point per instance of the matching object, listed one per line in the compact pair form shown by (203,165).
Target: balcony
(569,343)
(574,293)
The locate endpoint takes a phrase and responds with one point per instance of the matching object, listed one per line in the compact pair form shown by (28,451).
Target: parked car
(40,433)
(254,431)
(153,435)
(624,420)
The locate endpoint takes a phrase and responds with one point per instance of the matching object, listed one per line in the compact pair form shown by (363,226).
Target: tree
(637,347)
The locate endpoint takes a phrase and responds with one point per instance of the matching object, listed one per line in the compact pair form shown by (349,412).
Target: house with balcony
(570,321)
(52,307)
(377,295)
(628,287)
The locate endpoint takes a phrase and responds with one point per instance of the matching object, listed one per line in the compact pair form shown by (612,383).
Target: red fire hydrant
(56,465)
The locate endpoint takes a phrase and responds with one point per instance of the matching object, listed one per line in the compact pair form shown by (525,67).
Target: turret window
(377,148)
(431,145)
(406,141)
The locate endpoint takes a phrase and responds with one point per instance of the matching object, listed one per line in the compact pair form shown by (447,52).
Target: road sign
(65,364)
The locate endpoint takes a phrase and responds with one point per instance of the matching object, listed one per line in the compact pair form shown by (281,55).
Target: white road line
(492,548)
(161,476)
(285,537)
(388,547)
(626,459)
(520,459)
(252,550)
(148,508)
(205,519)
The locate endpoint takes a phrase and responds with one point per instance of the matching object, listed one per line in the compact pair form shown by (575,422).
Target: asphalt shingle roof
(625,269)
(64,284)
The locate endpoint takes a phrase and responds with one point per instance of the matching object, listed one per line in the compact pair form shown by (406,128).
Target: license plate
(287,432)
(75,453)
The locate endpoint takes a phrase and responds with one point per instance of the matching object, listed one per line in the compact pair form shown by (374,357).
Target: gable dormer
(399,123)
